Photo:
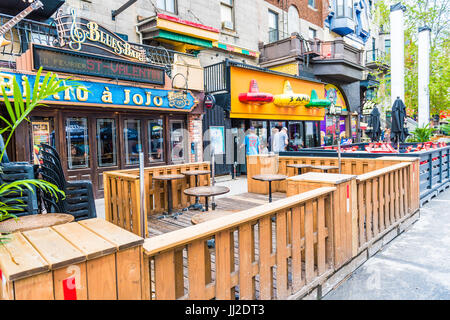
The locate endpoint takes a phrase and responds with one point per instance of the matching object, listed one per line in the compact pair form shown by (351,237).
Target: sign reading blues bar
(104,94)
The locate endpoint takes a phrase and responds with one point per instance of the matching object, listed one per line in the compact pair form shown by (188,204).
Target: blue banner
(104,94)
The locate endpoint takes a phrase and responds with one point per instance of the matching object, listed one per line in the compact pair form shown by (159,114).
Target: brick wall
(195,135)
(315,16)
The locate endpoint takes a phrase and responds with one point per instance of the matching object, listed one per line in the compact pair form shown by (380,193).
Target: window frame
(223,3)
(277,30)
(175,6)
(313,6)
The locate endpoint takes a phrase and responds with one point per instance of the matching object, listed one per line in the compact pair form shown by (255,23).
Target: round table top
(206,191)
(196,172)
(35,221)
(299,165)
(210,215)
(269,177)
(174,176)
(324,167)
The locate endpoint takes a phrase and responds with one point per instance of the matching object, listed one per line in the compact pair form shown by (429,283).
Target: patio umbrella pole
(213,202)
(142,190)
(339,155)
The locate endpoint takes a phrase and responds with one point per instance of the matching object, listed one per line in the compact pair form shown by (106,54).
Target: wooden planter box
(86,260)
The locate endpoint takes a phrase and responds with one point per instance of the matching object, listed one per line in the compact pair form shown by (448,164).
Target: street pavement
(413,266)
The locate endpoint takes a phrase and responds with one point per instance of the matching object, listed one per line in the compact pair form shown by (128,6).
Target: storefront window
(156,142)
(260,131)
(177,140)
(106,143)
(132,137)
(43,131)
(311,134)
(77,139)
(295,135)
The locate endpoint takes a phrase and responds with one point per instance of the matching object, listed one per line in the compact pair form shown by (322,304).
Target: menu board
(54,59)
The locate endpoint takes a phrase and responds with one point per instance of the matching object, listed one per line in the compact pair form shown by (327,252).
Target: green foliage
(17,112)
(434,14)
(421,134)
(445,129)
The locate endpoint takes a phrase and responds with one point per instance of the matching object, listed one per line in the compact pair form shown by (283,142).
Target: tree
(434,14)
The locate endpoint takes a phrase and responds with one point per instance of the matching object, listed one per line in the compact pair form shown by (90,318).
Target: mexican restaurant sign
(108,94)
(80,34)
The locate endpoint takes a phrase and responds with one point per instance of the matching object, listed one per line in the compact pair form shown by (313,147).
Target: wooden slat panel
(38,287)
(297,278)
(320,235)
(265,251)
(369,210)
(246,281)
(381,209)
(281,254)
(165,284)
(309,242)
(224,253)
(375,206)
(197,270)
(18,258)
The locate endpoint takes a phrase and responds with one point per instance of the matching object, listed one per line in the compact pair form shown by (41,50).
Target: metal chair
(79,200)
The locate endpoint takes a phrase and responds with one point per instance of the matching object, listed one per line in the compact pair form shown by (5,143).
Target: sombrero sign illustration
(290,99)
(254,96)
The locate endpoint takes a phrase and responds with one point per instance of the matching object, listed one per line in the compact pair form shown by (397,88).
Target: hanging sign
(83,35)
(254,96)
(209,102)
(108,94)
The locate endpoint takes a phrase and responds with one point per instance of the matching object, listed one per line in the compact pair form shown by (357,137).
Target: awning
(180,33)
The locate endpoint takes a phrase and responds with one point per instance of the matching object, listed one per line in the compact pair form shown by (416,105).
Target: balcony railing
(376,56)
(24,33)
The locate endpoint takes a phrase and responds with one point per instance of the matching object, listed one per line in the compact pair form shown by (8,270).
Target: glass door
(260,131)
(42,131)
(106,149)
(132,141)
(178,141)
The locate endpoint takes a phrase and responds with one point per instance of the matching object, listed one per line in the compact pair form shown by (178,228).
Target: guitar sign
(11,23)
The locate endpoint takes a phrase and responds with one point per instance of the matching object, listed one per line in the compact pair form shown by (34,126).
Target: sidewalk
(415,265)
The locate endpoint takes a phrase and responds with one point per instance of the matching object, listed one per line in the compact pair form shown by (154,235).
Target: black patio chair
(25,201)
(79,200)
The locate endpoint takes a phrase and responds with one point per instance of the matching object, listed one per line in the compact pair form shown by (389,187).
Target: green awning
(164,34)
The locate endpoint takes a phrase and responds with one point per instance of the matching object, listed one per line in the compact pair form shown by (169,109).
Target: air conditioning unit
(228,25)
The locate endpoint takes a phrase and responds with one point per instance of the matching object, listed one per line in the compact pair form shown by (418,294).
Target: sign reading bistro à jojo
(108,94)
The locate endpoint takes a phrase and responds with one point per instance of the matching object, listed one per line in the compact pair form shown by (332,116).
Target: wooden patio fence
(259,253)
(262,164)
(122,193)
(286,247)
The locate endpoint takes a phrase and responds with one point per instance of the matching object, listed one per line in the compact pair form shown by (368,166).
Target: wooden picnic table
(206,191)
(299,166)
(197,205)
(324,168)
(270,178)
(34,221)
(169,178)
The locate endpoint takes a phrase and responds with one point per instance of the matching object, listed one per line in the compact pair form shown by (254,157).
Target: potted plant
(18,110)
(421,134)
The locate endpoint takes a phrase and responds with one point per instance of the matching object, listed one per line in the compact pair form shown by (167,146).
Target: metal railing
(24,33)
(216,78)
(375,56)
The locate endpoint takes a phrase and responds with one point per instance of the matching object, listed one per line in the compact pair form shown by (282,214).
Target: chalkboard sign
(60,60)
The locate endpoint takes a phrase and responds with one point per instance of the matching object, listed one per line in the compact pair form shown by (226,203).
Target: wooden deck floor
(238,202)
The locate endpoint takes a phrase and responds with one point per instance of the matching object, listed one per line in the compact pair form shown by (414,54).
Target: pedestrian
(271,140)
(251,143)
(283,140)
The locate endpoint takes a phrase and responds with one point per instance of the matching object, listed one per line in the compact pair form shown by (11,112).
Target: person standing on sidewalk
(283,140)
(251,143)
